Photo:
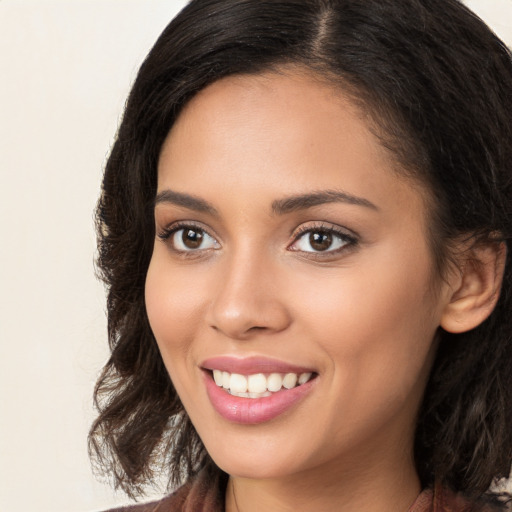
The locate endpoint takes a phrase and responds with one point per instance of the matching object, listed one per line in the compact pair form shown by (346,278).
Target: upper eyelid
(176,225)
(323,226)
(167,233)
(295,234)
(351,240)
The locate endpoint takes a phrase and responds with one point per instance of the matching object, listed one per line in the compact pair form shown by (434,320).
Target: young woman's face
(288,246)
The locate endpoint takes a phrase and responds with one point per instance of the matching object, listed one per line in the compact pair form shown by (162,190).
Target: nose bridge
(248,299)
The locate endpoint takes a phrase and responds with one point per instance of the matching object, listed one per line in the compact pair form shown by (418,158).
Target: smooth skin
(340,279)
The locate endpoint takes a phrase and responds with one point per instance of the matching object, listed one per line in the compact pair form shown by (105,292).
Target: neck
(389,484)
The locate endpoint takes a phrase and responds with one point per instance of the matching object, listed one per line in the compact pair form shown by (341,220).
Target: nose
(249,300)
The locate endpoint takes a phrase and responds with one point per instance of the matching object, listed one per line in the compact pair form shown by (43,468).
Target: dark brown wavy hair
(438,84)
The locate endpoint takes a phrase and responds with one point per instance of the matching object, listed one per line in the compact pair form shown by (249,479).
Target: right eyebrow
(185,200)
(305,201)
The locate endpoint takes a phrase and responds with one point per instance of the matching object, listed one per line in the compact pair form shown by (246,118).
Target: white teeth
(258,385)
(259,395)
(217,377)
(274,382)
(289,381)
(250,395)
(238,383)
(241,394)
(304,377)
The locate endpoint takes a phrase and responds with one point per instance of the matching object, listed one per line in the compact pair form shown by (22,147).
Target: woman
(303,228)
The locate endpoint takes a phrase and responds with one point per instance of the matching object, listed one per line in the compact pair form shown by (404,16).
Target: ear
(476,288)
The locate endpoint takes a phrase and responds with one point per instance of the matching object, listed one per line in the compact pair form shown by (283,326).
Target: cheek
(378,317)
(363,302)
(174,303)
(377,332)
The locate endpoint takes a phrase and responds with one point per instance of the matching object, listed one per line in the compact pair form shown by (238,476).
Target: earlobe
(477,288)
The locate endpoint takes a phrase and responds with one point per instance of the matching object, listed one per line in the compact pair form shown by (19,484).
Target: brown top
(202,496)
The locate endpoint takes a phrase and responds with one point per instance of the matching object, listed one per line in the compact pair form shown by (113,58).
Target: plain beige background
(65,70)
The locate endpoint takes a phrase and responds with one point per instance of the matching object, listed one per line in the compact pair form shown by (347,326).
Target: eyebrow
(279,206)
(305,201)
(186,200)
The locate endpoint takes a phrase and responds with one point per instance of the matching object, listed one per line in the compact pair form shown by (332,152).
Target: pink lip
(251,411)
(249,365)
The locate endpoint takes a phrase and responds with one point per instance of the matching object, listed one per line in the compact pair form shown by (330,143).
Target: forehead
(279,132)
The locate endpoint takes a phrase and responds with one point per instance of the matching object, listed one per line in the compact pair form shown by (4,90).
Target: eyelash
(348,240)
(167,233)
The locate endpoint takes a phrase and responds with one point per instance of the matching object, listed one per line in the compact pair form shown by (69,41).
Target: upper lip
(251,365)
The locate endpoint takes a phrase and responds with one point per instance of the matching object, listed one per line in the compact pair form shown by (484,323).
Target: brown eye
(320,240)
(192,238)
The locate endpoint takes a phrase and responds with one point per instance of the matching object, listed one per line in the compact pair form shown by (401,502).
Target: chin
(253,469)
(255,457)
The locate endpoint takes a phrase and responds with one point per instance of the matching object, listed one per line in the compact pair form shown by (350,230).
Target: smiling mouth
(258,385)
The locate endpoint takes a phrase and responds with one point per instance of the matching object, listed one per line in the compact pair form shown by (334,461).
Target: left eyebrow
(186,201)
(305,201)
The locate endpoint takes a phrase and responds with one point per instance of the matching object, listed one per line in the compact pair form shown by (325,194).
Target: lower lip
(250,411)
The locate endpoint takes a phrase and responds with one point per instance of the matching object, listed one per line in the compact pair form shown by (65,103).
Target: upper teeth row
(258,382)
